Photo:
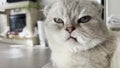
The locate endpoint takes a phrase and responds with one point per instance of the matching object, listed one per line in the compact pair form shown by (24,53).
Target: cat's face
(74,23)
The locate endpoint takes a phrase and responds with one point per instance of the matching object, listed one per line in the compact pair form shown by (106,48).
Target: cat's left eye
(58,20)
(84,19)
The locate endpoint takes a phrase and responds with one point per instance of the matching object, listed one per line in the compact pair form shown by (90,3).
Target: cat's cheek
(58,35)
(53,27)
(59,27)
(62,35)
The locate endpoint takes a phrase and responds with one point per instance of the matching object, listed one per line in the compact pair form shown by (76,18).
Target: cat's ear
(47,5)
(98,6)
(46,9)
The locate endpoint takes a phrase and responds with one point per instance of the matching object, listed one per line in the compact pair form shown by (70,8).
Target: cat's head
(74,23)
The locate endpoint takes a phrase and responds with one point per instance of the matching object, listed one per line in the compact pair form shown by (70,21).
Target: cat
(77,35)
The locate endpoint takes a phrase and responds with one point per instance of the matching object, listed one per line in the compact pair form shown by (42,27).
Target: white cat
(77,36)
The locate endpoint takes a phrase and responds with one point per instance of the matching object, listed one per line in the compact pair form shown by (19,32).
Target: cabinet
(27,35)
(112,8)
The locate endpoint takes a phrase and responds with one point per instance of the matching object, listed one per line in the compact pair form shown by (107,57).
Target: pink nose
(70,29)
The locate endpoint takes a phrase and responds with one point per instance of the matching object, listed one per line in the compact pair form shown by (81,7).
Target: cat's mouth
(73,38)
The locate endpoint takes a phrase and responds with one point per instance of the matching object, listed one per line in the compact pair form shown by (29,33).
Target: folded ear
(46,9)
(98,6)
(47,5)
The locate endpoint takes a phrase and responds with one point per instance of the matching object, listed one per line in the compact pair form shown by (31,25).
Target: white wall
(99,1)
(3,24)
(113,7)
(2,2)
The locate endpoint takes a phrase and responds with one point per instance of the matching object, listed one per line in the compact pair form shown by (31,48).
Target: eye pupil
(58,20)
(84,19)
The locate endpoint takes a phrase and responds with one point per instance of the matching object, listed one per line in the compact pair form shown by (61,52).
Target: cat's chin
(72,39)
(87,44)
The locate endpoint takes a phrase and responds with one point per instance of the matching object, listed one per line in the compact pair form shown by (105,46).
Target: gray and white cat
(77,36)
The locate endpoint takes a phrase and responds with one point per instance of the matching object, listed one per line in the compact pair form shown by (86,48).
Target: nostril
(70,29)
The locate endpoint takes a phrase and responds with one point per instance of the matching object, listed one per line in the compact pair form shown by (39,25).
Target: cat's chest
(97,58)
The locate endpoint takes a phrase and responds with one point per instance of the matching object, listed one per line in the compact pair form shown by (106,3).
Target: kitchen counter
(18,56)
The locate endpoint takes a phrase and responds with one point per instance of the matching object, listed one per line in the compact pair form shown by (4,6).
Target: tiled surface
(12,56)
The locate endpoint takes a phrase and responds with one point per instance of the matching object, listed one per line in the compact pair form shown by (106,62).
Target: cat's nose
(70,29)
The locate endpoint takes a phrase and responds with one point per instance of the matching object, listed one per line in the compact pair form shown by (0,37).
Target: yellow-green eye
(84,19)
(58,20)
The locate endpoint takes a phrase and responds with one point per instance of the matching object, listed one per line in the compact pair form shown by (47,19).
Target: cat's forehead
(75,4)
(72,7)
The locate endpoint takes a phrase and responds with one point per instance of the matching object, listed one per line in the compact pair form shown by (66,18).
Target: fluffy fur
(94,47)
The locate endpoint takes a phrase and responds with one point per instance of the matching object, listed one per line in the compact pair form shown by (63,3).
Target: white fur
(95,45)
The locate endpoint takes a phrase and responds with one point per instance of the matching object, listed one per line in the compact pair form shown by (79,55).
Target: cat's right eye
(58,20)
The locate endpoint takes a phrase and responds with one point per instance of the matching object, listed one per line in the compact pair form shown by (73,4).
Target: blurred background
(23,42)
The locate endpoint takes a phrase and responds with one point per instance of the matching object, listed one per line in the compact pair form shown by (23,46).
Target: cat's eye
(58,20)
(84,19)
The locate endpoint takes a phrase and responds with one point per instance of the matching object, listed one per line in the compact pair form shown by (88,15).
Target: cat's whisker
(87,56)
(103,49)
